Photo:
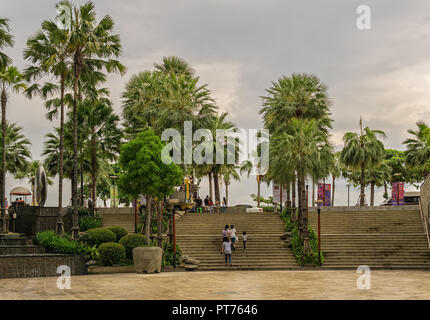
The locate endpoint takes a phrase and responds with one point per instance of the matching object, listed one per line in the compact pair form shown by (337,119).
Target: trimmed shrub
(110,253)
(132,241)
(98,236)
(120,232)
(168,257)
(56,244)
(88,222)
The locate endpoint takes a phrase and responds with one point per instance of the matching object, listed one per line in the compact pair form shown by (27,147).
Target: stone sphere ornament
(41,186)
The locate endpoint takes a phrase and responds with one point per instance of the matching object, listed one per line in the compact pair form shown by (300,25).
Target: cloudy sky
(239,46)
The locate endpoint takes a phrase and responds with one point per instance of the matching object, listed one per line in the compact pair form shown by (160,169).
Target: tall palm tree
(92,46)
(101,136)
(176,65)
(10,80)
(301,151)
(229,173)
(6,40)
(418,148)
(361,151)
(47,53)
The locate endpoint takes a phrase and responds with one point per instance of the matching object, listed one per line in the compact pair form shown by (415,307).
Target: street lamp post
(318,202)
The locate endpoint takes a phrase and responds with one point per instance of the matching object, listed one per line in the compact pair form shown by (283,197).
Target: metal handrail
(425,221)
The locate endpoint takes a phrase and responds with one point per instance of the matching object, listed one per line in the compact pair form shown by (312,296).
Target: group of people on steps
(229,238)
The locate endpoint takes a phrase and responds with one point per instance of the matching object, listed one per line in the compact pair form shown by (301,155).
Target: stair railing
(426,223)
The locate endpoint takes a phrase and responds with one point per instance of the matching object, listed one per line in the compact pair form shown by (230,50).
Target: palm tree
(10,80)
(335,171)
(47,52)
(101,136)
(176,65)
(418,148)
(92,46)
(18,154)
(6,40)
(229,173)
(300,150)
(361,151)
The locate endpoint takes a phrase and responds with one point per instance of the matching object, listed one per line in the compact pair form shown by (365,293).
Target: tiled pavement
(325,284)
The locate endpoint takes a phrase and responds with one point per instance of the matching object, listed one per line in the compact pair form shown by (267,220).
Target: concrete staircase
(379,237)
(200,236)
(123,217)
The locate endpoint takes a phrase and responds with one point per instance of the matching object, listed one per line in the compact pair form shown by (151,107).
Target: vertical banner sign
(114,196)
(398,193)
(276,193)
(324,194)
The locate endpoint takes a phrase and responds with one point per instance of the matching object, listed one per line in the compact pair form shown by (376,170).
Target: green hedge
(119,231)
(57,244)
(88,222)
(132,241)
(111,253)
(97,236)
(296,245)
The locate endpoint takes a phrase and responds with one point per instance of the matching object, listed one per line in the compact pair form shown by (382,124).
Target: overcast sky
(239,46)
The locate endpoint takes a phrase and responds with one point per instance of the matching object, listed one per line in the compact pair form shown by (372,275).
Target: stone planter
(147,259)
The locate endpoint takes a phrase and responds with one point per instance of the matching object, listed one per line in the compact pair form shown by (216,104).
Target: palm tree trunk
(293,192)
(60,223)
(332,195)
(313,193)
(210,185)
(288,196)
(3,162)
(258,190)
(362,185)
(82,185)
(226,193)
(301,192)
(94,177)
(75,228)
(372,193)
(216,185)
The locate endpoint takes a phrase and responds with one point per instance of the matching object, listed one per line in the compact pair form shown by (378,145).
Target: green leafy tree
(6,40)
(418,149)
(144,171)
(18,154)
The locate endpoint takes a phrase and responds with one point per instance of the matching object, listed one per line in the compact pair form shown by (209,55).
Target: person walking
(225,232)
(224,205)
(206,201)
(210,204)
(233,237)
(199,205)
(226,249)
(217,206)
(244,239)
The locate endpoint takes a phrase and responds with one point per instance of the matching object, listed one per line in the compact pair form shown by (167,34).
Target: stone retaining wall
(40,265)
(31,220)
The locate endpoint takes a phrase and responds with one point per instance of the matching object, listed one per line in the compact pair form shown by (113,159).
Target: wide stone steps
(123,220)
(200,236)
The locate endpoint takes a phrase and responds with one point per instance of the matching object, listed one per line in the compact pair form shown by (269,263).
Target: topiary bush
(97,236)
(110,253)
(119,231)
(132,241)
(88,222)
(57,244)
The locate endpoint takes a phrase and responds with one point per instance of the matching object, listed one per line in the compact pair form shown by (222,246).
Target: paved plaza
(225,285)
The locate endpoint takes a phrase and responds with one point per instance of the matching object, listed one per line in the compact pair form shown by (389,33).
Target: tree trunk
(293,192)
(75,228)
(362,203)
(372,193)
(226,193)
(301,193)
(3,160)
(288,186)
(160,225)
(216,185)
(60,223)
(210,185)
(313,193)
(148,220)
(82,197)
(258,190)
(333,188)
(94,177)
